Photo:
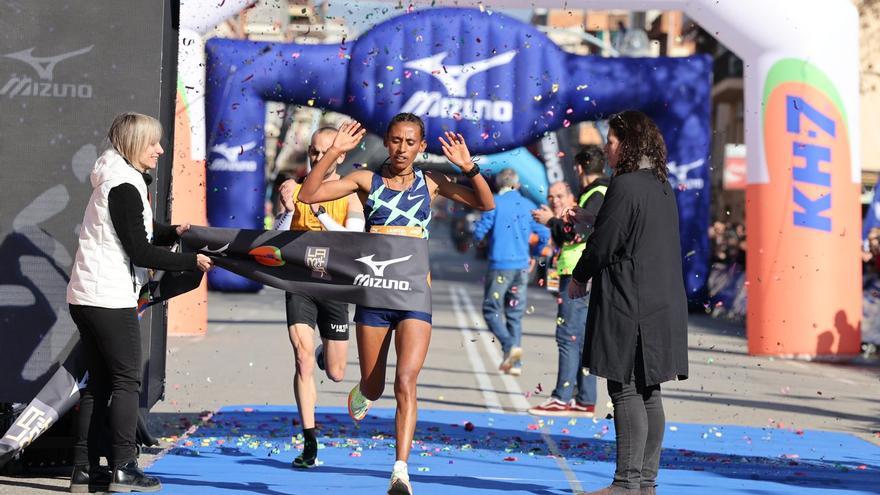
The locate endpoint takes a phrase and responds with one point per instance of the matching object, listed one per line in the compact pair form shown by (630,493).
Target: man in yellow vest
(571,315)
(304,311)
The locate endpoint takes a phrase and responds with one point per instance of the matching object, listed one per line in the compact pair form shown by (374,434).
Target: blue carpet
(249,450)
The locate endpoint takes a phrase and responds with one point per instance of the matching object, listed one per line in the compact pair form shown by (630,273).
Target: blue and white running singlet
(406,212)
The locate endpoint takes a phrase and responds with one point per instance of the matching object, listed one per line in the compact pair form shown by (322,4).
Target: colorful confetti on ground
(249,450)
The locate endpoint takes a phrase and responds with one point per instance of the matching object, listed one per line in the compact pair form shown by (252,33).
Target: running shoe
(400,480)
(358,405)
(516,370)
(319,356)
(399,486)
(302,462)
(511,359)
(551,407)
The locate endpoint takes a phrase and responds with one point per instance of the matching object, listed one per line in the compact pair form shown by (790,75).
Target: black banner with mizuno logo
(380,271)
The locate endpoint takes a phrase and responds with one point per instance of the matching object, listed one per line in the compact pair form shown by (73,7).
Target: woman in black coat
(637,325)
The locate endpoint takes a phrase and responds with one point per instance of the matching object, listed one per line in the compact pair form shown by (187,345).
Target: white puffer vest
(102,274)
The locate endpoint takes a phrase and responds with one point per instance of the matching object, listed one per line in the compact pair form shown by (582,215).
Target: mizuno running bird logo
(45,65)
(681,171)
(232,153)
(378,267)
(455,77)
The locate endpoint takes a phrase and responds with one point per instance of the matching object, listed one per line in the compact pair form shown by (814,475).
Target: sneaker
(319,356)
(551,407)
(358,405)
(511,359)
(400,480)
(515,371)
(582,409)
(302,462)
(399,486)
(309,456)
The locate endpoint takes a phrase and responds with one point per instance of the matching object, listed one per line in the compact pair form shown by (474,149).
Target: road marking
(573,482)
(846,381)
(796,364)
(489,396)
(515,393)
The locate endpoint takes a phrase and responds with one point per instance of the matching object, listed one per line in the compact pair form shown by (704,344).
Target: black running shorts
(331,317)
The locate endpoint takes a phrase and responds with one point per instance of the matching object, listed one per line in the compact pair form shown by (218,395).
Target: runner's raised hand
(456,150)
(349,135)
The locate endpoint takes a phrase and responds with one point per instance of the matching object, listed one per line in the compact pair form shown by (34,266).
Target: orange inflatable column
(803,222)
(188,313)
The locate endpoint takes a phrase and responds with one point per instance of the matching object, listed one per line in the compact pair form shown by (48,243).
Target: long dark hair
(639,137)
(406,117)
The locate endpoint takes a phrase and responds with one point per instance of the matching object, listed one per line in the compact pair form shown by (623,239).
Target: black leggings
(111,343)
(639,422)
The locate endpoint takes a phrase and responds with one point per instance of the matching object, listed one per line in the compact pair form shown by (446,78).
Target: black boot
(128,477)
(89,480)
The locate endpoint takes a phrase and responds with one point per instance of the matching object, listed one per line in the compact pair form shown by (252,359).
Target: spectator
(508,228)
(637,330)
(117,246)
(571,315)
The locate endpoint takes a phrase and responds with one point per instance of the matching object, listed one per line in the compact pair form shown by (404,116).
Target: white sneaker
(511,359)
(400,480)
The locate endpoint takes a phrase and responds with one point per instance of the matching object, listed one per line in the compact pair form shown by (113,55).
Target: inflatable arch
(801,100)
(496,80)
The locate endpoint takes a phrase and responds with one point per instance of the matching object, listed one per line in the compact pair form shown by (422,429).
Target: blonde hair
(131,133)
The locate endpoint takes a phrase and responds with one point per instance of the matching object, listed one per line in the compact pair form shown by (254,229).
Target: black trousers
(111,342)
(639,423)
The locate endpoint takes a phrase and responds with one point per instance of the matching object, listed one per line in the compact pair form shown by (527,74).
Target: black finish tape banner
(375,270)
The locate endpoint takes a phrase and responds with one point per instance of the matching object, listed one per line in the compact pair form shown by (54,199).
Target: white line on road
(796,364)
(516,393)
(520,404)
(483,381)
(573,482)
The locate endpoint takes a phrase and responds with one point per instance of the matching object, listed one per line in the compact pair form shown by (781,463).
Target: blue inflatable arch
(499,82)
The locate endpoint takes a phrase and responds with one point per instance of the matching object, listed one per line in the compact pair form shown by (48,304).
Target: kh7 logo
(454,79)
(267,256)
(45,69)
(805,130)
(378,269)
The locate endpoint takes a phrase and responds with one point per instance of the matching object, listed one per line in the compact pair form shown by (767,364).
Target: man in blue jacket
(508,228)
